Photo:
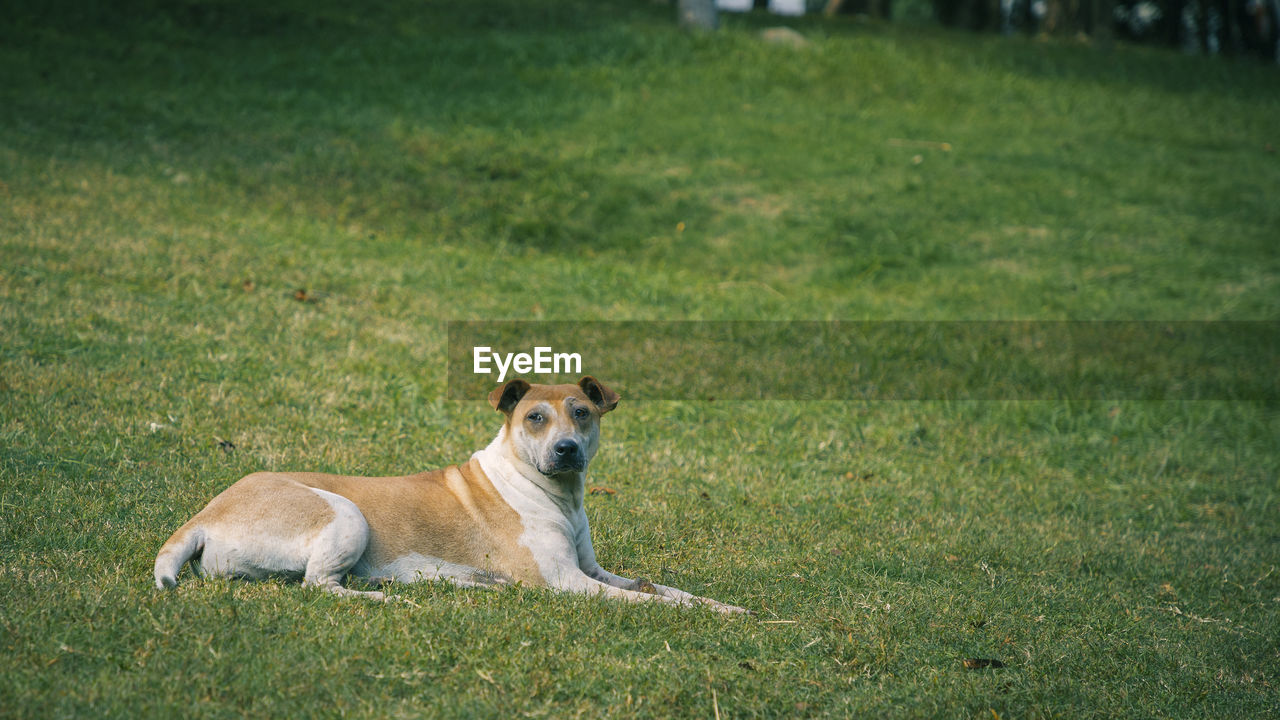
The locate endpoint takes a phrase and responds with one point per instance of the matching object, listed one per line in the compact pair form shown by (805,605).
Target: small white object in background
(735,5)
(786,7)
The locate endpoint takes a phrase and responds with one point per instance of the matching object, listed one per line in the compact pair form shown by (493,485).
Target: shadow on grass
(428,115)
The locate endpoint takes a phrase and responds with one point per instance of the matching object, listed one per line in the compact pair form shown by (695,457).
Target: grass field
(172,174)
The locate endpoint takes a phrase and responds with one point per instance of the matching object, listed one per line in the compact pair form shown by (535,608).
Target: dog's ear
(604,398)
(504,399)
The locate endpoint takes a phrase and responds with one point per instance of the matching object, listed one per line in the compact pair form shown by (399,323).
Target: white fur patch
(546,512)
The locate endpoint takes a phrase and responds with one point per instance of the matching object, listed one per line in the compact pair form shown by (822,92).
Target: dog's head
(554,428)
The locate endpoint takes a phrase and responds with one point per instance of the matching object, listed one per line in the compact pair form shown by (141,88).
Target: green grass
(172,172)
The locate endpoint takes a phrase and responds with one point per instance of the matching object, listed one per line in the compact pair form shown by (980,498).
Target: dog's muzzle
(566,456)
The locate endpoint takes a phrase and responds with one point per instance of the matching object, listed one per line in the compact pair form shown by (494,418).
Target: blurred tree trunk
(1102,22)
(697,14)
(1052,18)
(1064,17)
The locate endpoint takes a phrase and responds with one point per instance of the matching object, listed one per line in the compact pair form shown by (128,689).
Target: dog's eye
(534,417)
(581,413)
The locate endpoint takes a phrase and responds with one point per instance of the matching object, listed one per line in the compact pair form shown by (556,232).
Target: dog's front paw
(725,608)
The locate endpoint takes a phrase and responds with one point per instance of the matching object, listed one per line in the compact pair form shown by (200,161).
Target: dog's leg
(269,524)
(590,568)
(698,600)
(336,549)
(638,591)
(585,584)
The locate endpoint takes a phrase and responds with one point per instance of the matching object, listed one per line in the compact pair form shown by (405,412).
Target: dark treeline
(1231,27)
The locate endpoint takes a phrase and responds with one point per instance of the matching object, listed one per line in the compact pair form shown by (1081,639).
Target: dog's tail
(184,544)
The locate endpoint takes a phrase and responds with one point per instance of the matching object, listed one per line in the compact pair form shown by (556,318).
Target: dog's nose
(566,449)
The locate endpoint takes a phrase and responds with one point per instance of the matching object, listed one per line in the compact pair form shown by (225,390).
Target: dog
(513,513)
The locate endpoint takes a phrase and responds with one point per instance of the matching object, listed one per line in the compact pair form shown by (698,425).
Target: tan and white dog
(512,513)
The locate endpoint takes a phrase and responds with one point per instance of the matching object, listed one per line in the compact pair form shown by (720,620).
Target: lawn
(233,234)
